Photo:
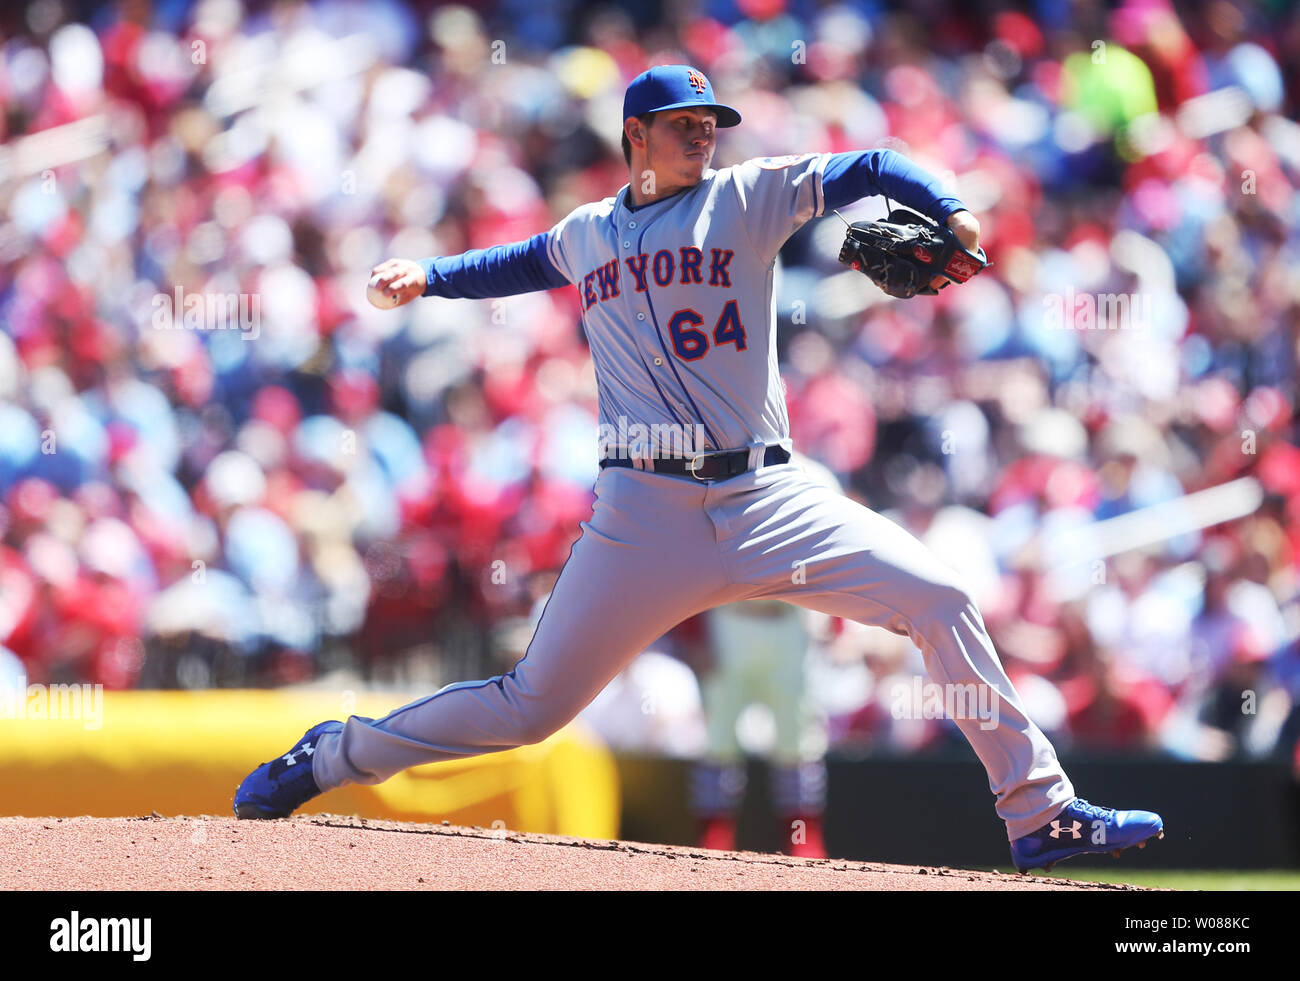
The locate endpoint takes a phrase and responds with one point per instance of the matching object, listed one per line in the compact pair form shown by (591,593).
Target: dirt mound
(326,851)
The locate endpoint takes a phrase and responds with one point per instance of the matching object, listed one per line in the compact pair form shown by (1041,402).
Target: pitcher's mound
(326,851)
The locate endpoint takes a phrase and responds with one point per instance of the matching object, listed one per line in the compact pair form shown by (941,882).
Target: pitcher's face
(680,145)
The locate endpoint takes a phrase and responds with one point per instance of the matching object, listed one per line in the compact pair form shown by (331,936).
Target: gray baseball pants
(659,549)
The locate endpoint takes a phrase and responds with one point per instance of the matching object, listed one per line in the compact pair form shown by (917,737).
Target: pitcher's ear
(634,130)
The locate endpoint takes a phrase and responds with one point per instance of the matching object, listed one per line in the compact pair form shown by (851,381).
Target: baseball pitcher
(697,503)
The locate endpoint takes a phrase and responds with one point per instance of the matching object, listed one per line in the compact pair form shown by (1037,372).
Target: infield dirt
(325,851)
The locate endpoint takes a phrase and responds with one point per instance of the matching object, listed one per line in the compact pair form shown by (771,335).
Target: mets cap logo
(696,80)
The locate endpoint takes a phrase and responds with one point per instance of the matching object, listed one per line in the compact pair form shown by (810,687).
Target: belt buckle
(693,466)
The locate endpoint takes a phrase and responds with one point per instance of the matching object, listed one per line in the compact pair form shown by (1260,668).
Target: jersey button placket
(641,317)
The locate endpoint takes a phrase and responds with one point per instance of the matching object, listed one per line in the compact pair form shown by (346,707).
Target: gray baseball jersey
(678,302)
(678,306)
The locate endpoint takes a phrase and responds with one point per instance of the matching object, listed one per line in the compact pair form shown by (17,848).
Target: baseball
(377,297)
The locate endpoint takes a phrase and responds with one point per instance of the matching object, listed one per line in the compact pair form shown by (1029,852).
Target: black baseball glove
(903,253)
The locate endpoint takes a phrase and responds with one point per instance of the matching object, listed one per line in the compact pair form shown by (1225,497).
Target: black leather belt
(706,466)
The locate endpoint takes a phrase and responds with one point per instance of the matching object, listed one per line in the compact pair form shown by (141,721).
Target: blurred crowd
(315,483)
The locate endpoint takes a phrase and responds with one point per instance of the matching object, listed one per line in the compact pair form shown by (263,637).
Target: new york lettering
(666,267)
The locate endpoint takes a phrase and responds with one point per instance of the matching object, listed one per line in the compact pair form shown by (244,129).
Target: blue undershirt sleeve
(503,270)
(851,176)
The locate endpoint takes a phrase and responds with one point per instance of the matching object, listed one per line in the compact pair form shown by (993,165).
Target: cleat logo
(1072,831)
(290,758)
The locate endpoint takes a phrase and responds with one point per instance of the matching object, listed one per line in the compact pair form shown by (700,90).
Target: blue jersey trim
(503,270)
(819,192)
(849,177)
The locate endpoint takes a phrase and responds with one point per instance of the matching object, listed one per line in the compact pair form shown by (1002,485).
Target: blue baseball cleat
(279,787)
(1083,829)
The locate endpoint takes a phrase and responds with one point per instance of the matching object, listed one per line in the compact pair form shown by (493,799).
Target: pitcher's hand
(967,229)
(400,279)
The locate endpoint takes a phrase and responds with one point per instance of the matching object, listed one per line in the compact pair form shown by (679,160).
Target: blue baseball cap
(674,87)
